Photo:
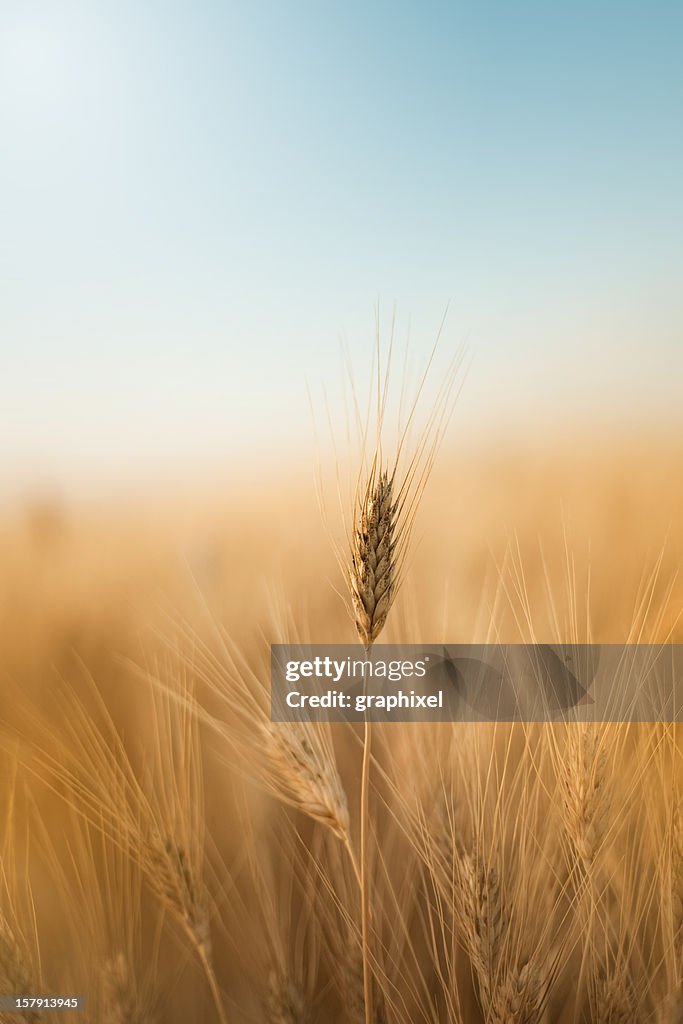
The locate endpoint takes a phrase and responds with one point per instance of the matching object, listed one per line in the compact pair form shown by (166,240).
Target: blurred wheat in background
(170,854)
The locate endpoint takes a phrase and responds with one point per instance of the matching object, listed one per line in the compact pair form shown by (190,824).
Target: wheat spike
(307,775)
(181,889)
(519,999)
(481,917)
(121,1002)
(615,1001)
(373,557)
(586,803)
(284,1003)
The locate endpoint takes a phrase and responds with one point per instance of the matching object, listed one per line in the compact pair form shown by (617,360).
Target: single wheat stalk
(373,585)
(383,513)
(381,526)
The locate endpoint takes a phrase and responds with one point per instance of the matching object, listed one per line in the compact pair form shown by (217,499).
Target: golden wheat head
(373,567)
(305,775)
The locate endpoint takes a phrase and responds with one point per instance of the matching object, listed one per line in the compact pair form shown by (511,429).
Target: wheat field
(171,855)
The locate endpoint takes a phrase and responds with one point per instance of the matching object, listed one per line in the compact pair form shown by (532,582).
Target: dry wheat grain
(482,919)
(373,553)
(615,1001)
(586,794)
(284,1002)
(306,775)
(119,1000)
(518,999)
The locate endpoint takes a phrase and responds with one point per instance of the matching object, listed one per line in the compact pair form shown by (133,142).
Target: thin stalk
(212,981)
(364,880)
(364,886)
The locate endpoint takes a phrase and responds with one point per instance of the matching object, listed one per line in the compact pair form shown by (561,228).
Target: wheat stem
(373,585)
(212,982)
(364,886)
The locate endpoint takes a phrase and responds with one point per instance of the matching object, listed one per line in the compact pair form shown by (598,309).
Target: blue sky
(198,199)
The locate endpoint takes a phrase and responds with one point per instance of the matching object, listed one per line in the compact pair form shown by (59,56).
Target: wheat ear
(615,1001)
(284,1003)
(308,778)
(120,1001)
(482,919)
(519,998)
(373,568)
(586,796)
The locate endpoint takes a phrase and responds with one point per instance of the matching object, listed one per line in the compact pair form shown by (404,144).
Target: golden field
(160,859)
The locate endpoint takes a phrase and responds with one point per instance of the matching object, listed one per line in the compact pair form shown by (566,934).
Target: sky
(200,201)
